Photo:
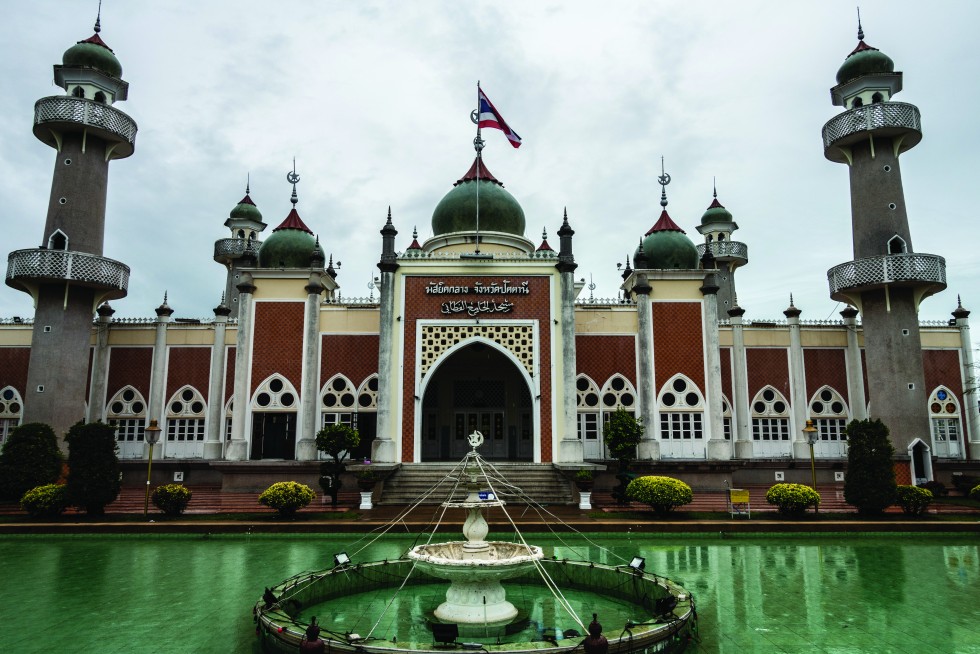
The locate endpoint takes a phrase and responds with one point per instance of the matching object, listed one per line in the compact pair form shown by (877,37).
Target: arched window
(58,240)
(275,394)
(241,233)
(726,418)
(828,410)
(681,419)
(78,92)
(339,401)
(99,97)
(587,401)
(896,245)
(721,237)
(944,414)
(709,238)
(770,423)
(858,102)
(126,412)
(11,410)
(877,97)
(185,424)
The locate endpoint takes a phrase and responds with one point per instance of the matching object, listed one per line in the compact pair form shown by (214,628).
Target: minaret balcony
(63,113)
(881,119)
(925,272)
(227,250)
(28,269)
(731,252)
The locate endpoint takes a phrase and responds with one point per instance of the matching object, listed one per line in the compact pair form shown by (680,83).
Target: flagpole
(478,146)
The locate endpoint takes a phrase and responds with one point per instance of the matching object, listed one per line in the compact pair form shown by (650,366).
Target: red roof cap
(97,40)
(665,224)
(415,245)
(861,46)
(247,200)
(471,174)
(544,246)
(293,221)
(715,204)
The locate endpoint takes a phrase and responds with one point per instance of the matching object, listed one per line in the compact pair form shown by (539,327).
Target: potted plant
(584,479)
(366,480)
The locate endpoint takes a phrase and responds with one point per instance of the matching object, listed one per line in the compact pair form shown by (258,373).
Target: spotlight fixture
(341,559)
(638,563)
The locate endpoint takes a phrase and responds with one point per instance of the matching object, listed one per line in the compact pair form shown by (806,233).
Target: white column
(970,395)
(570,448)
(649,448)
(740,401)
(855,369)
(100,366)
(797,383)
(158,377)
(718,449)
(237,449)
(384,449)
(216,400)
(310,391)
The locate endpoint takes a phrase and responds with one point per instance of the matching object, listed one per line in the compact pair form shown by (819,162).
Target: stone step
(541,482)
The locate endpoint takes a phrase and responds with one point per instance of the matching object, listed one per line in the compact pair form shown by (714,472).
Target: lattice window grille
(618,392)
(586,394)
(517,339)
(339,394)
(275,393)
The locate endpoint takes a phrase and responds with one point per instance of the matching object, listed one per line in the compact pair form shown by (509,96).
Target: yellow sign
(738,496)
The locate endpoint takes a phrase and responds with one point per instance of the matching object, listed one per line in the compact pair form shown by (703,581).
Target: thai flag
(490,117)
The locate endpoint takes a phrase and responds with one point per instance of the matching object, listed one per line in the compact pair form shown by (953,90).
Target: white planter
(366,502)
(585,500)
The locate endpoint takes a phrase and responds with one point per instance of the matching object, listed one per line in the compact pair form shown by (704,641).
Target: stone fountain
(475,567)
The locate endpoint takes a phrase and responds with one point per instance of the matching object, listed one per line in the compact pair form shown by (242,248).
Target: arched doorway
(477,387)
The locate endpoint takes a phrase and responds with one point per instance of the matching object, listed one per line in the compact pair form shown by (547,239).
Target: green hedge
(792,499)
(975,493)
(45,501)
(30,458)
(172,499)
(287,497)
(914,500)
(662,493)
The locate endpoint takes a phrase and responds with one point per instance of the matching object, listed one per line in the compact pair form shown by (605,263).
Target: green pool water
(823,593)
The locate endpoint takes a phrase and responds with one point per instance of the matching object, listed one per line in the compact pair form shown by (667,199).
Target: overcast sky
(373,100)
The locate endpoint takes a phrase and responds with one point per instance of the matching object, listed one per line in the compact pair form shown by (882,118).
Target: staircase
(540,481)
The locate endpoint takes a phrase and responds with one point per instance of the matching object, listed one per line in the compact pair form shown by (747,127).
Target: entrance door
(273,436)
(588,430)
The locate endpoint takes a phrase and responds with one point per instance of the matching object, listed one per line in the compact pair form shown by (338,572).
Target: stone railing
(726,250)
(907,269)
(67,266)
(233,248)
(872,117)
(66,108)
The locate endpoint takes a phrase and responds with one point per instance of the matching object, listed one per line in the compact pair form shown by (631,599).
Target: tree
(93,477)
(622,435)
(30,458)
(336,440)
(870,480)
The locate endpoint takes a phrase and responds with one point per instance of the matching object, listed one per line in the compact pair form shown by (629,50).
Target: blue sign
(487,495)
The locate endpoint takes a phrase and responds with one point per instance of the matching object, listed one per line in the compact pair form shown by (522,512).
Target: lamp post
(811,437)
(152,435)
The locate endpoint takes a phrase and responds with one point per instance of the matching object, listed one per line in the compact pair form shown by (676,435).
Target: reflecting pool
(821,593)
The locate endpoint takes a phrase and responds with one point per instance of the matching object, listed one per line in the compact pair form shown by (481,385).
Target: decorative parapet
(235,248)
(600,303)
(882,118)
(28,268)
(726,250)
(927,271)
(103,120)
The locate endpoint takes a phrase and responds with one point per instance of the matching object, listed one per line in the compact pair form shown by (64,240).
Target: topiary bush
(45,501)
(937,488)
(914,499)
(30,458)
(792,499)
(975,493)
(336,441)
(172,499)
(93,477)
(869,483)
(287,497)
(662,493)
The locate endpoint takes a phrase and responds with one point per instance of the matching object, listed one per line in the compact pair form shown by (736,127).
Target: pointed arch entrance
(477,386)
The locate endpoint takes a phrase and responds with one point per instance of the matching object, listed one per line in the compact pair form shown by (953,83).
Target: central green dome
(666,247)
(864,60)
(499,211)
(291,245)
(93,53)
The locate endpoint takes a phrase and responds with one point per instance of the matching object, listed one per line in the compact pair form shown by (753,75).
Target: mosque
(480,327)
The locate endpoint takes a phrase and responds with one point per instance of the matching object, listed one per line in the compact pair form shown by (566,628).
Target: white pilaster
(237,449)
(310,390)
(100,366)
(649,448)
(740,401)
(216,403)
(383,450)
(855,369)
(570,449)
(797,383)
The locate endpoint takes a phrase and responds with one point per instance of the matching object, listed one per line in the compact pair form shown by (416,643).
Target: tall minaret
(242,249)
(67,275)
(887,280)
(717,226)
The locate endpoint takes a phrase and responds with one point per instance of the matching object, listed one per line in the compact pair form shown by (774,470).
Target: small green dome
(291,245)
(499,211)
(246,210)
(864,60)
(716,213)
(93,53)
(666,247)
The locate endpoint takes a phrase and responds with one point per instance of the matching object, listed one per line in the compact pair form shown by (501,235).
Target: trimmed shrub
(869,483)
(30,458)
(662,493)
(975,493)
(937,488)
(172,499)
(914,499)
(93,477)
(792,499)
(45,501)
(336,440)
(287,497)
(963,483)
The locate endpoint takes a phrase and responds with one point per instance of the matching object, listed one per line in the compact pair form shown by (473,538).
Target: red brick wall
(677,343)
(726,373)
(353,355)
(601,357)
(418,305)
(189,365)
(13,368)
(903,474)
(942,367)
(129,366)
(767,366)
(825,367)
(229,374)
(278,342)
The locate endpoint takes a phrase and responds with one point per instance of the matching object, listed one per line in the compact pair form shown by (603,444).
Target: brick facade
(825,367)
(129,366)
(278,342)
(768,366)
(13,368)
(678,346)
(354,356)
(602,356)
(189,366)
